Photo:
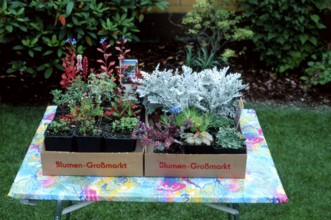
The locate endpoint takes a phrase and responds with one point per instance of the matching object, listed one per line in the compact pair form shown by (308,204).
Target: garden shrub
(286,32)
(318,71)
(212,28)
(35,31)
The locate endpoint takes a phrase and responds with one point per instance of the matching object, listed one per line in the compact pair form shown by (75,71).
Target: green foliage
(286,31)
(125,125)
(101,86)
(73,94)
(191,118)
(35,31)
(319,70)
(229,138)
(212,28)
(221,121)
(59,126)
(193,126)
(88,127)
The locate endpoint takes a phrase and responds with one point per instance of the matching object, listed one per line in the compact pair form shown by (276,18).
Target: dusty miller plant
(210,90)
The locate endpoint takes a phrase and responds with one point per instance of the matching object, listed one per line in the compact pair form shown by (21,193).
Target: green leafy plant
(228,137)
(124,125)
(35,31)
(221,121)
(88,117)
(286,31)
(318,71)
(88,127)
(61,126)
(212,28)
(193,126)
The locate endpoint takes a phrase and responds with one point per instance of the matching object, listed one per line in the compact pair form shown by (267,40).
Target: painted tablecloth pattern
(261,185)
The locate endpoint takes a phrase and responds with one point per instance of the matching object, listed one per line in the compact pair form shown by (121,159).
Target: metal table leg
(231,209)
(70,208)
(58,211)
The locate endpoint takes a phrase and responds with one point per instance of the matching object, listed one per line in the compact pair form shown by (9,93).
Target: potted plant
(59,135)
(194,133)
(117,136)
(229,140)
(88,117)
(161,137)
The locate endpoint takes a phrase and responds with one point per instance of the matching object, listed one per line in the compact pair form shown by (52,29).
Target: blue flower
(73,42)
(175,110)
(123,37)
(68,40)
(103,40)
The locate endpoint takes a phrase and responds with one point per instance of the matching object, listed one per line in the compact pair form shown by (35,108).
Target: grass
(299,140)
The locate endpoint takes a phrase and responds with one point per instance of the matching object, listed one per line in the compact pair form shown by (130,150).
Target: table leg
(68,214)
(231,209)
(236,216)
(58,211)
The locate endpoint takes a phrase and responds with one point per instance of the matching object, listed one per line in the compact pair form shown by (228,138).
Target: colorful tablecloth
(261,185)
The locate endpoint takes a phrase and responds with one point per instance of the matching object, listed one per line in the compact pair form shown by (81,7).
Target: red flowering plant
(101,89)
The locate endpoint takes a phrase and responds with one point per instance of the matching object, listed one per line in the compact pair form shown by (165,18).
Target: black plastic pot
(112,143)
(218,150)
(59,143)
(88,143)
(198,149)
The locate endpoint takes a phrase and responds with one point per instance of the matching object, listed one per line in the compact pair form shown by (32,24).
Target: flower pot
(119,143)
(88,143)
(63,141)
(59,143)
(173,149)
(198,149)
(220,150)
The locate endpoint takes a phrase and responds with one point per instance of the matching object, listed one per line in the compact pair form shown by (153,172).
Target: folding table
(261,184)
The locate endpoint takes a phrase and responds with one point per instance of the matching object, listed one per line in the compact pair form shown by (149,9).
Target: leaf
(34,40)
(303,38)
(315,18)
(88,40)
(4,6)
(62,19)
(48,52)
(313,41)
(141,18)
(30,52)
(59,52)
(18,47)
(9,28)
(54,40)
(69,7)
(48,72)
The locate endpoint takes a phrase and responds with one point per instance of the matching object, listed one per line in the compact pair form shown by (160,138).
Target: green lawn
(299,140)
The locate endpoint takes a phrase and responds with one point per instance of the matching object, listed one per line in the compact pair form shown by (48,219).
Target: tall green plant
(35,31)
(286,31)
(212,28)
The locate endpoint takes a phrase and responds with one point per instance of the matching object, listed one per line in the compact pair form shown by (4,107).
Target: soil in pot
(119,142)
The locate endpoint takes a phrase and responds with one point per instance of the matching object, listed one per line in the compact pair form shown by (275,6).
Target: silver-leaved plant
(210,90)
